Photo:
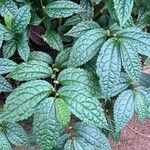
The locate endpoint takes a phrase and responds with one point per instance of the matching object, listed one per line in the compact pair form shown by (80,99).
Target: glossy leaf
(46,126)
(53,39)
(4,85)
(123,109)
(83,105)
(108,66)
(31,70)
(16,134)
(6,65)
(21,19)
(86,47)
(21,103)
(59,9)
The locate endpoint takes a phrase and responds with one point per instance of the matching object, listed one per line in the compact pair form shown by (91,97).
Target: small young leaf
(123,109)
(4,143)
(59,9)
(9,48)
(108,66)
(82,28)
(21,19)
(86,47)
(6,65)
(16,134)
(123,10)
(31,70)
(4,85)
(46,126)
(83,105)
(53,39)
(63,113)
(21,103)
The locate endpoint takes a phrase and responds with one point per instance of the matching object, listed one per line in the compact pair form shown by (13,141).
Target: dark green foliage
(72,69)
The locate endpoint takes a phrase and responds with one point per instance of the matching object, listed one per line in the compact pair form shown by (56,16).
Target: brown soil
(135,136)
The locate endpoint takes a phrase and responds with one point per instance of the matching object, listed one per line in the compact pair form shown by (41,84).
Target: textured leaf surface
(83,105)
(59,9)
(21,19)
(82,28)
(4,144)
(53,39)
(31,70)
(16,134)
(141,106)
(78,76)
(88,12)
(40,56)
(8,7)
(7,35)
(108,66)
(9,49)
(46,125)
(21,103)
(4,85)
(62,111)
(23,48)
(93,135)
(86,47)
(6,65)
(123,10)
(130,60)
(1,38)
(123,109)
(140,40)
(62,58)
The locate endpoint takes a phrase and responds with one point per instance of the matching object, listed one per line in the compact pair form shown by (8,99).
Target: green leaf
(123,10)
(140,40)
(9,48)
(6,65)
(21,19)
(63,113)
(4,85)
(59,9)
(46,126)
(130,60)
(31,70)
(21,103)
(83,105)
(62,139)
(4,143)
(74,76)
(108,66)
(82,28)
(1,39)
(88,12)
(23,48)
(40,56)
(86,47)
(62,58)
(8,7)
(141,107)
(78,143)
(92,135)
(123,109)
(16,134)
(53,39)
(7,35)
(96,1)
